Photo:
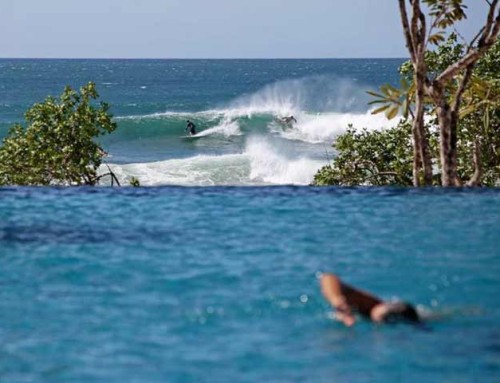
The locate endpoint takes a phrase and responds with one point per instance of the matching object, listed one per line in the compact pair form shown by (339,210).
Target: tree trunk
(478,170)
(453,145)
(421,144)
(448,144)
(416,153)
(426,157)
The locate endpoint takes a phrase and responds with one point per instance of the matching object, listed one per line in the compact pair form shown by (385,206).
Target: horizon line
(204,58)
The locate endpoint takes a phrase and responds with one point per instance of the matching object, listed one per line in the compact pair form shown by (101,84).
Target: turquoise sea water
(210,272)
(234,103)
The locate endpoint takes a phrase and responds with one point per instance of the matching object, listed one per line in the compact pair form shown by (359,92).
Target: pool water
(196,284)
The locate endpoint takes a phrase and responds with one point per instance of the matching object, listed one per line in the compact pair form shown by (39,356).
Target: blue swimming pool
(187,284)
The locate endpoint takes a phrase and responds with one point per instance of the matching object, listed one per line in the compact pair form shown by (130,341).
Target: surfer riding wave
(190,128)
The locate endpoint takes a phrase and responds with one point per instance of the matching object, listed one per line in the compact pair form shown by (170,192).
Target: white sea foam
(200,170)
(226,128)
(260,163)
(270,165)
(325,127)
(158,115)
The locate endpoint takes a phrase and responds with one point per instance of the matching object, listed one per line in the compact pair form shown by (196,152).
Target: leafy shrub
(381,157)
(57,147)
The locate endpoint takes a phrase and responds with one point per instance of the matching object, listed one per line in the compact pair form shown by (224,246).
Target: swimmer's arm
(331,287)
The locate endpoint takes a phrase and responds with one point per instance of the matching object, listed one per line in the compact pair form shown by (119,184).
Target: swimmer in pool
(348,301)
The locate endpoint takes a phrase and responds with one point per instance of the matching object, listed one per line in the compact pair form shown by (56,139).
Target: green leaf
(392,112)
(436,38)
(377,102)
(381,109)
(374,94)
(56,146)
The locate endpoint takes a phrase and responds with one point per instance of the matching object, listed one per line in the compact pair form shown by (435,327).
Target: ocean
(210,272)
(235,105)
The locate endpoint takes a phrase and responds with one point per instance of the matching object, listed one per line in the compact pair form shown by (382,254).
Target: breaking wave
(244,142)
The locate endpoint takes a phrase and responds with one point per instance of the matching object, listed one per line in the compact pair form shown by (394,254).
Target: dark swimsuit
(192,128)
(359,301)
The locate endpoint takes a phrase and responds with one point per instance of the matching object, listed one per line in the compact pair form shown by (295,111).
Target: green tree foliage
(57,145)
(380,157)
(437,60)
(478,133)
(445,89)
(394,99)
(479,128)
(385,157)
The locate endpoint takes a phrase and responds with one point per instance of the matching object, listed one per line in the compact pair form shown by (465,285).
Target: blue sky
(207,28)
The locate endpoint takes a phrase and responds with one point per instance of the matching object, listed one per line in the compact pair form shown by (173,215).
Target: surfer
(348,301)
(289,120)
(191,128)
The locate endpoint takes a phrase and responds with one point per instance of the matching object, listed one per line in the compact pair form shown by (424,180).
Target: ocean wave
(310,128)
(323,105)
(244,141)
(310,94)
(159,115)
(260,163)
(270,164)
(200,170)
(321,128)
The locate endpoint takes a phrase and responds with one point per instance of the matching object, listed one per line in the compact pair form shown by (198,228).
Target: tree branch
(476,160)
(495,30)
(406,29)
(473,41)
(461,88)
(489,22)
(417,44)
(375,172)
(111,174)
(367,165)
(422,34)
(487,39)
(473,55)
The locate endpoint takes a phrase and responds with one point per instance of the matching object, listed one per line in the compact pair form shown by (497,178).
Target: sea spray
(323,128)
(317,94)
(311,93)
(227,128)
(270,165)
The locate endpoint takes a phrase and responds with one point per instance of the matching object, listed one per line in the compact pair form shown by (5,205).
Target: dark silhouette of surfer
(288,120)
(191,128)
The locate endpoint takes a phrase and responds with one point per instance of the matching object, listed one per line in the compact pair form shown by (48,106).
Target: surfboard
(191,137)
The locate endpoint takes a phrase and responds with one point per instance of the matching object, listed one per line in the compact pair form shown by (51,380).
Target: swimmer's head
(391,312)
